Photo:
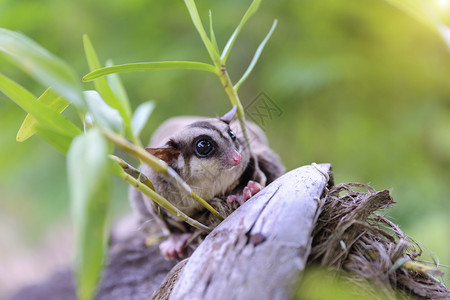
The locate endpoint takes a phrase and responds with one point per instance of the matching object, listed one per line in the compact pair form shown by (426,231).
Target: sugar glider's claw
(173,247)
(249,191)
(254,187)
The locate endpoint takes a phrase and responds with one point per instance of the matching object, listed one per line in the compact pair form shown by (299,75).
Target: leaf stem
(147,66)
(234,98)
(256,56)
(250,11)
(212,51)
(138,175)
(161,201)
(135,173)
(158,166)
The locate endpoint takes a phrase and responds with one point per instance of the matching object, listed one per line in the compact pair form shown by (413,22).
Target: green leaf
(104,87)
(58,140)
(255,57)
(149,66)
(103,114)
(250,11)
(90,190)
(45,116)
(141,116)
(43,66)
(115,169)
(211,33)
(116,85)
(30,124)
(213,53)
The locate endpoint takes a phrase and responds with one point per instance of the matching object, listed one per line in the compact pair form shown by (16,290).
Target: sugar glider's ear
(228,117)
(167,153)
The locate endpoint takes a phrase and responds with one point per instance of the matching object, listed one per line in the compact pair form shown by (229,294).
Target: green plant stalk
(161,201)
(158,166)
(129,133)
(136,174)
(250,11)
(256,56)
(234,98)
(219,62)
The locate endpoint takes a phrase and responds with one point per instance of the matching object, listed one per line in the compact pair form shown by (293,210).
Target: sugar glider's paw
(249,191)
(173,247)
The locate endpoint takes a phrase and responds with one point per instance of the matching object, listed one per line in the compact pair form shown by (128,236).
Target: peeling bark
(261,248)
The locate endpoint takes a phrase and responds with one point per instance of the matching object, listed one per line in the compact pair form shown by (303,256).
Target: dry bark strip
(260,249)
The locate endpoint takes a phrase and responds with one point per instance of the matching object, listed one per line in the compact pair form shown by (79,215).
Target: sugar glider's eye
(232,134)
(204,148)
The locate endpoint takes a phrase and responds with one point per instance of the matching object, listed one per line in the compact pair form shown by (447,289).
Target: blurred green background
(361,84)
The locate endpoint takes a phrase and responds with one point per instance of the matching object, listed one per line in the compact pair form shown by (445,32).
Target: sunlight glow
(442,3)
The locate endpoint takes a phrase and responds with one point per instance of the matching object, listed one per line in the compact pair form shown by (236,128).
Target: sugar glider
(212,156)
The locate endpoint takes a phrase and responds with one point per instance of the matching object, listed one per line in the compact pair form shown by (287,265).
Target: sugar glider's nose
(233,158)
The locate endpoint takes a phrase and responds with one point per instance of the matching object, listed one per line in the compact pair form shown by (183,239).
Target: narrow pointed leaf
(211,33)
(90,190)
(30,124)
(141,116)
(45,116)
(157,198)
(116,85)
(103,86)
(43,66)
(255,57)
(150,66)
(103,114)
(213,53)
(250,11)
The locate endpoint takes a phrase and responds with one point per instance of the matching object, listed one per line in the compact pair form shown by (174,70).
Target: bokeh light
(363,85)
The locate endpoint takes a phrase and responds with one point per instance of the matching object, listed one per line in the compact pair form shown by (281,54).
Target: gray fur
(211,178)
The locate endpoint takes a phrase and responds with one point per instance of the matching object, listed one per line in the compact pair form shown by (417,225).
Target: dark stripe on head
(173,144)
(208,125)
